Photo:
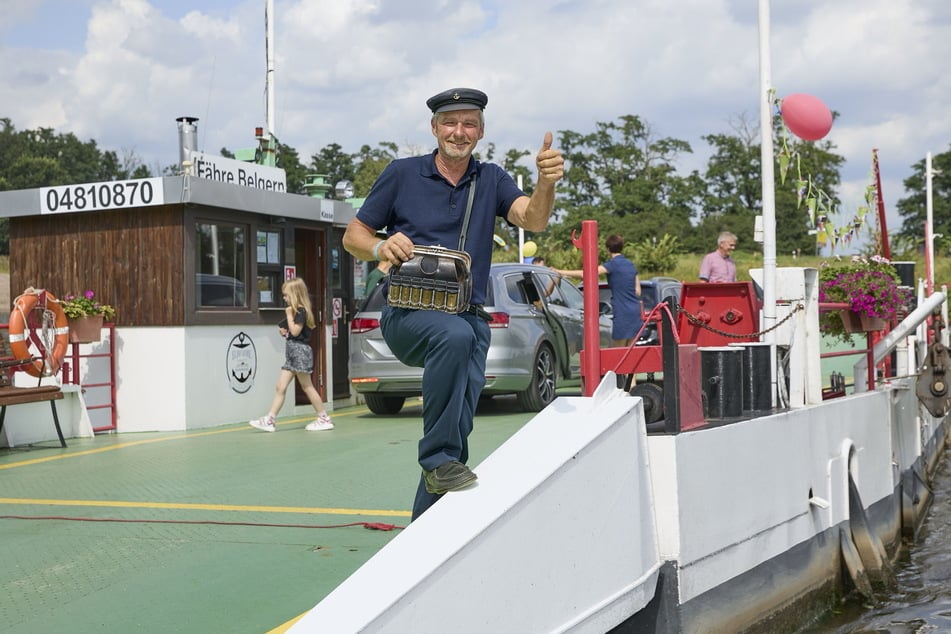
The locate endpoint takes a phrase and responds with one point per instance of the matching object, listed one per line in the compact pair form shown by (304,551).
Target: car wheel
(541,389)
(384,405)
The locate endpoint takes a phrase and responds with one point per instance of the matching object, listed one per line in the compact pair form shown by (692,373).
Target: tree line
(621,174)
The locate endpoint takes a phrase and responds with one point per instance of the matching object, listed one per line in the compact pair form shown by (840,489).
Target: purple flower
(869,286)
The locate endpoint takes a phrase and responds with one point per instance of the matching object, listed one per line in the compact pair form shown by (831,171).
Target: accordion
(435,278)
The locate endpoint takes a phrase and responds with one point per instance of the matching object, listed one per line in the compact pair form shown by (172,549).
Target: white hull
(584,522)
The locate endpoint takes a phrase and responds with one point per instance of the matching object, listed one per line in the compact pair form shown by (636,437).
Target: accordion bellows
(435,278)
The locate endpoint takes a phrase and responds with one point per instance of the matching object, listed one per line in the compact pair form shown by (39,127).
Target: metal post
(768,318)
(591,364)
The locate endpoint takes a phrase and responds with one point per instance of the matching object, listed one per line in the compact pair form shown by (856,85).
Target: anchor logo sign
(242,363)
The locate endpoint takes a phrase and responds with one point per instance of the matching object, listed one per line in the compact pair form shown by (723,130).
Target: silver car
(537,336)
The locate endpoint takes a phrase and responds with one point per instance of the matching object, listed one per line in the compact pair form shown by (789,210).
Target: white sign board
(139,192)
(225,170)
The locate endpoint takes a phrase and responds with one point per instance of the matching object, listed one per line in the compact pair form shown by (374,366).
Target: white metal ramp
(557,535)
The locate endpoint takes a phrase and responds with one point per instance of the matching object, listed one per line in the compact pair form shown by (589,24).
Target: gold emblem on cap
(455,95)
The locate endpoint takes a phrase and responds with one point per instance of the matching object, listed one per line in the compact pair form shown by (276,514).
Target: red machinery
(708,315)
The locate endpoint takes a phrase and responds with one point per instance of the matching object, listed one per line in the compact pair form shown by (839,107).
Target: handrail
(890,341)
(866,352)
(69,374)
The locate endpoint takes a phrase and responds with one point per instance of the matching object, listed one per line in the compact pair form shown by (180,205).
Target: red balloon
(806,116)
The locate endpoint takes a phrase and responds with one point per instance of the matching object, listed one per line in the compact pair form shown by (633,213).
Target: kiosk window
(221,265)
(269,247)
(269,268)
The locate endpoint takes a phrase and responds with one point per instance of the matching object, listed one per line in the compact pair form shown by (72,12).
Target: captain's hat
(458,99)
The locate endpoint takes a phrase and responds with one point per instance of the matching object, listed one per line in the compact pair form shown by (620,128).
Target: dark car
(537,335)
(653,291)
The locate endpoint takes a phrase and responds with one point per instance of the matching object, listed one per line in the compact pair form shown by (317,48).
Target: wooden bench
(18,395)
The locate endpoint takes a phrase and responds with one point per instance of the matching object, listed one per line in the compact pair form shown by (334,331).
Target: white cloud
(358,72)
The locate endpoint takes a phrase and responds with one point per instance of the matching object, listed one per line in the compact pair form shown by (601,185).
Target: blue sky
(61,24)
(358,72)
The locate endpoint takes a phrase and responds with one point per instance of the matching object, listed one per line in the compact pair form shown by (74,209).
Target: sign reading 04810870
(138,192)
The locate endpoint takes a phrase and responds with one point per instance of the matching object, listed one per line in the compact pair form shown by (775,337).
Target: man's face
(727,246)
(457,132)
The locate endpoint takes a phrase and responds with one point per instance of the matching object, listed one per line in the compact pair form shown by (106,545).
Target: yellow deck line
(179,506)
(248,508)
(135,443)
(121,445)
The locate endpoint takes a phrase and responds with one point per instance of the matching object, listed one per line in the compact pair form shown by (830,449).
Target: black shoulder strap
(465,221)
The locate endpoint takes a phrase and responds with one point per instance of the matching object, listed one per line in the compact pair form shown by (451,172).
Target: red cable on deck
(376,526)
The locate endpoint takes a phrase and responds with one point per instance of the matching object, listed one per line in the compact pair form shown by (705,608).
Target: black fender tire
(653,395)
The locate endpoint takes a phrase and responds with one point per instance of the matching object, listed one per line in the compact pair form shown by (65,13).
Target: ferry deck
(227,529)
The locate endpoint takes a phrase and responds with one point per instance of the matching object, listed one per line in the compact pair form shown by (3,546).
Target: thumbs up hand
(550,163)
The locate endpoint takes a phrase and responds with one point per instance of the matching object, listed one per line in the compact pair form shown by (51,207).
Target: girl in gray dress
(296,328)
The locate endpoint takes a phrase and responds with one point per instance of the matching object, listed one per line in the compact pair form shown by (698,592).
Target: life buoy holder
(50,335)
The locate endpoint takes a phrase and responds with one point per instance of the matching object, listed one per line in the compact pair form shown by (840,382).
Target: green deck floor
(173,563)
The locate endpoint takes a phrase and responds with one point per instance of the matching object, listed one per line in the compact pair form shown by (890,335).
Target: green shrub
(655,257)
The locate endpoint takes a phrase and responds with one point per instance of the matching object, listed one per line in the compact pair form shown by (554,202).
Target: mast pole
(880,206)
(768,187)
(270,142)
(929,227)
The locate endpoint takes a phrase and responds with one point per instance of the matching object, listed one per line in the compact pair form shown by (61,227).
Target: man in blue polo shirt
(422,200)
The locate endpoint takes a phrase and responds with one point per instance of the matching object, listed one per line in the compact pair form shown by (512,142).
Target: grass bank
(689,265)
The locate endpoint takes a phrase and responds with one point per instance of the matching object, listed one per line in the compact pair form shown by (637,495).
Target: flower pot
(85,329)
(859,322)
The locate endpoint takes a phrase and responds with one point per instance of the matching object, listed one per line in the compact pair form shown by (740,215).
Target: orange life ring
(20,331)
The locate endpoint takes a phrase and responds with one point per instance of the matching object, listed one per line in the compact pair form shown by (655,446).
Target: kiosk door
(310,249)
(341,282)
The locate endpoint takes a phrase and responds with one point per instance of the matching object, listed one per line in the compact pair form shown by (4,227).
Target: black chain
(696,321)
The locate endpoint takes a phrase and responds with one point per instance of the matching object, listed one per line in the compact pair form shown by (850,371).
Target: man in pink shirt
(718,266)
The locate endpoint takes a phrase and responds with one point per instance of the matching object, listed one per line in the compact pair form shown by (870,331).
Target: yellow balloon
(529,249)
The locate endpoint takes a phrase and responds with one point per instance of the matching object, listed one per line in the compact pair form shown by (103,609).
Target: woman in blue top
(625,288)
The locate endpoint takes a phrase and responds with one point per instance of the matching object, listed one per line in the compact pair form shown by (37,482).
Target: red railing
(69,374)
(871,338)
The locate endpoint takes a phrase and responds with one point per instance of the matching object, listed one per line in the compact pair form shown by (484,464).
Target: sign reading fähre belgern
(225,170)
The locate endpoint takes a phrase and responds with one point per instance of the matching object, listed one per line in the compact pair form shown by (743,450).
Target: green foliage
(869,285)
(86,305)
(624,171)
(807,179)
(336,164)
(289,160)
(732,193)
(655,256)
(370,163)
(913,208)
(622,174)
(44,158)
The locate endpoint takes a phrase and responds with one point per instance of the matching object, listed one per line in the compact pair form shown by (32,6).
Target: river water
(921,599)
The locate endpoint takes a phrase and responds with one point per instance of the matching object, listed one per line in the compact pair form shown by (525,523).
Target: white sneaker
(265,423)
(322,423)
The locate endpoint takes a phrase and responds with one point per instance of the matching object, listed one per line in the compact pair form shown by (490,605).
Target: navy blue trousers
(451,349)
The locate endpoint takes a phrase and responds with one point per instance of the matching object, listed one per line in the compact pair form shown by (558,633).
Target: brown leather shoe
(451,476)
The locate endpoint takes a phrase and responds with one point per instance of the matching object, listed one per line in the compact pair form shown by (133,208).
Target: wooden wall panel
(131,258)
